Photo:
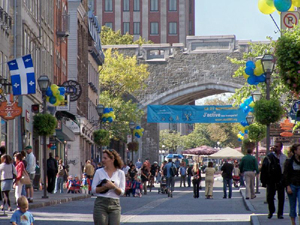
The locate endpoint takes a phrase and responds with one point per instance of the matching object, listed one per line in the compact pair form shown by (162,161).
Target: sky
(241,18)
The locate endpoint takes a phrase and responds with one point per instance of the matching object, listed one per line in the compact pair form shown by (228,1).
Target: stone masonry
(181,74)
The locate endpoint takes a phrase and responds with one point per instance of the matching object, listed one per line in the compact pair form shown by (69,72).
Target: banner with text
(194,114)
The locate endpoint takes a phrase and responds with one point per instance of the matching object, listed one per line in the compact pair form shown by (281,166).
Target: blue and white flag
(22,75)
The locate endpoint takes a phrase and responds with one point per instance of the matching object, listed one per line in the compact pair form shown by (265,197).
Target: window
(110,25)
(125,5)
(136,28)
(108,5)
(190,27)
(172,5)
(125,28)
(136,5)
(173,28)
(154,5)
(154,28)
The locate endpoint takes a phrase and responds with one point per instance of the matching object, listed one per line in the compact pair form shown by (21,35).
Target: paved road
(154,209)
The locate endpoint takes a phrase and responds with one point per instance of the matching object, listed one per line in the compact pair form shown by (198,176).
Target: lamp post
(132,126)
(44,83)
(268,63)
(100,110)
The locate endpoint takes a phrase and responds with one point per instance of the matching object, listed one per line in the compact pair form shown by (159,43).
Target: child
(22,216)
(84,184)
(137,186)
(70,185)
(77,184)
(128,188)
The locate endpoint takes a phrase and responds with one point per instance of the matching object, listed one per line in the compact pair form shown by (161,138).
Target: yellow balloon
(252,104)
(266,6)
(53,87)
(292,8)
(243,99)
(242,129)
(296,3)
(245,75)
(258,71)
(57,103)
(258,63)
(47,98)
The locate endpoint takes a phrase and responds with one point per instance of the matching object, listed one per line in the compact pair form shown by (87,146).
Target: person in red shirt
(20,168)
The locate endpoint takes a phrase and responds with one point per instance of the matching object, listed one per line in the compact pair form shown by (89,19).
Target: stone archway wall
(181,74)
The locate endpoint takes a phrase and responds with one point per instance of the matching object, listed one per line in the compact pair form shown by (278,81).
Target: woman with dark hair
(291,175)
(132,172)
(108,185)
(20,168)
(145,176)
(209,180)
(7,171)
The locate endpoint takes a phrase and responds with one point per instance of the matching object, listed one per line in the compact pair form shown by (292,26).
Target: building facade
(161,21)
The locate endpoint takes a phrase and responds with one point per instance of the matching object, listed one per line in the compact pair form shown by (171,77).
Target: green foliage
(288,58)
(101,137)
(122,74)
(170,140)
(44,124)
(247,144)
(297,125)
(133,146)
(268,111)
(125,111)
(110,37)
(256,132)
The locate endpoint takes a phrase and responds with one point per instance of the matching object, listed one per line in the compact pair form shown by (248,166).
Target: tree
(170,140)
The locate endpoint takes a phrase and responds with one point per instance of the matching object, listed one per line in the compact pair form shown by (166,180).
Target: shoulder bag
(25,179)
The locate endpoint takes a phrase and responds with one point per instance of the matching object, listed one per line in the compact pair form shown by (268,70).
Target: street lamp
(268,63)
(44,83)
(132,126)
(256,95)
(100,110)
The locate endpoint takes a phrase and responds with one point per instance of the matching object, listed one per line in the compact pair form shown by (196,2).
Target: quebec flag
(22,75)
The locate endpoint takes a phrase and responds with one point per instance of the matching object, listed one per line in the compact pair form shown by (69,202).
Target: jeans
(189,180)
(59,184)
(182,180)
(225,183)
(170,183)
(107,211)
(293,200)
(196,183)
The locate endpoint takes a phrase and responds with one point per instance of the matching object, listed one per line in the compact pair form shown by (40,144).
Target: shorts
(31,176)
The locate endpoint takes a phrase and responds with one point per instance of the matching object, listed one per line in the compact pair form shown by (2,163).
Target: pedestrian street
(154,209)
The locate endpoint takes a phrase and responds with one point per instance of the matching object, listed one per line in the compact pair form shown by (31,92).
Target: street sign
(289,20)
(293,112)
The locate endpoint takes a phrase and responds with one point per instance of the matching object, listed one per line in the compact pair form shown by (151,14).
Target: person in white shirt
(108,185)
(30,168)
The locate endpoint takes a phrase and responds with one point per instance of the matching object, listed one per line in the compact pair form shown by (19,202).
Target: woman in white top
(108,185)
(7,171)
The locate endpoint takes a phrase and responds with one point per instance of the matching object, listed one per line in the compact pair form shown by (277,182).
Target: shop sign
(10,109)
(73,126)
(73,89)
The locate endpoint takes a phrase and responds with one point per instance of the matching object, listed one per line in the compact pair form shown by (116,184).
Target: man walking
(170,173)
(30,168)
(249,168)
(89,169)
(227,169)
(182,171)
(272,178)
(51,172)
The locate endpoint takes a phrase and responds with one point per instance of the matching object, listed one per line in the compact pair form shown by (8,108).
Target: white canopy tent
(227,153)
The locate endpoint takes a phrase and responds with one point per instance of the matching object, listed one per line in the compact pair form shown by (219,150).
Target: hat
(155,162)
(28,147)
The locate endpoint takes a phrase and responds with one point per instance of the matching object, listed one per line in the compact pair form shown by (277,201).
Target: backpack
(173,170)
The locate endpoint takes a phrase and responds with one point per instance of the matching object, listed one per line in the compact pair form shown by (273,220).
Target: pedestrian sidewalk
(53,199)
(260,209)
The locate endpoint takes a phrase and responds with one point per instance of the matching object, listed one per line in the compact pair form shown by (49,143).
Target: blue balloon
(246,131)
(261,78)
(52,99)
(246,110)
(244,123)
(49,92)
(252,80)
(250,64)
(242,105)
(138,127)
(249,71)
(239,139)
(106,110)
(110,119)
(282,5)
(62,90)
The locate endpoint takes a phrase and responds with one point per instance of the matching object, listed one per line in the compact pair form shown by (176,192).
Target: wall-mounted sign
(65,105)
(10,109)
(73,89)
(73,126)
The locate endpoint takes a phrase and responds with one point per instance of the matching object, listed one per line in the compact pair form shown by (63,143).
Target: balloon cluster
(269,6)
(247,106)
(108,115)
(254,72)
(138,131)
(55,95)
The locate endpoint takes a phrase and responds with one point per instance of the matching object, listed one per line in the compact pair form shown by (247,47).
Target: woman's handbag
(25,179)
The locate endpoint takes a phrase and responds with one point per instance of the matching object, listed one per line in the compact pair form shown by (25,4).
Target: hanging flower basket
(101,137)
(44,124)
(288,58)
(268,111)
(133,146)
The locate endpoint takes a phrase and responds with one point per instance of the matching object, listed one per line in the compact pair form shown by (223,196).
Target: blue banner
(194,114)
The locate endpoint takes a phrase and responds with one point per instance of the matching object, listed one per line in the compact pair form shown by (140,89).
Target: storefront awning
(65,133)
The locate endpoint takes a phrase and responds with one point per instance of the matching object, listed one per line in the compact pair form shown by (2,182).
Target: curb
(57,201)
(253,218)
